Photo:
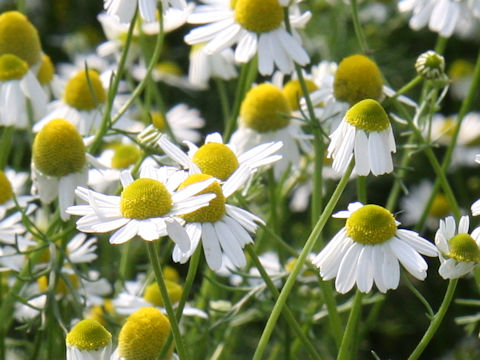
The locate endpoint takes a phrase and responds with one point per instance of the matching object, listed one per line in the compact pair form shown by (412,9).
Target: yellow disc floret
(89,334)
(12,67)
(368,115)
(464,248)
(440,207)
(6,191)
(265,109)
(152,293)
(19,37)
(216,159)
(158,120)
(357,78)
(143,335)
(46,71)
(145,198)
(124,156)
(216,207)
(293,92)
(371,225)
(58,149)
(259,16)
(84,91)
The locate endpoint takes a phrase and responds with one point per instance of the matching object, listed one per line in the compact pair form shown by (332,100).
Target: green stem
(362,189)
(225,103)
(157,268)
(312,239)
(5,145)
(21,6)
(410,85)
(347,347)
(358,28)
(436,321)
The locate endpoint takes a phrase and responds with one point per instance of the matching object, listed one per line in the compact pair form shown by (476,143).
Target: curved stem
(346,349)
(358,28)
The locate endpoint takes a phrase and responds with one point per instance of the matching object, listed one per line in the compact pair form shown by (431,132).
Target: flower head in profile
(365,132)
(459,251)
(88,339)
(368,250)
(244,23)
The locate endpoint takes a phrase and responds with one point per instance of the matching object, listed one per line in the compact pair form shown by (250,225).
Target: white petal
(125,233)
(211,247)
(178,234)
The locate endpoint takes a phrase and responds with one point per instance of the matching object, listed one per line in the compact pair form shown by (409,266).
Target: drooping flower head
(89,340)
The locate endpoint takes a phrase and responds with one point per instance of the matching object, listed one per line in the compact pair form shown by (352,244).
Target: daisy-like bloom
(59,164)
(220,160)
(148,207)
(442,16)
(88,339)
(18,86)
(246,25)
(265,117)
(183,121)
(366,132)
(368,250)
(145,332)
(124,10)
(459,251)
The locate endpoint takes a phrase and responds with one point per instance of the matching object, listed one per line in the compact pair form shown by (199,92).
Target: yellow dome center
(6,191)
(143,335)
(12,67)
(46,71)
(368,115)
(258,16)
(124,156)
(357,78)
(84,91)
(215,209)
(464,248)
(88,334)
(371,225)
(293,92)
(19,37)
(265,109)
(217,160)
(152,293)
(58,149)
(158,120)
(145,198)
(440,207)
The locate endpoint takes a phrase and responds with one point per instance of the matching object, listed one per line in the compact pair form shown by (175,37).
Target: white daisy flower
(459,251)
(18,85)
(59,164)
(148,207)
(366,132)
(220,160)
(124,10)
(368,250)
(88,339)
(265,117)
(247,26)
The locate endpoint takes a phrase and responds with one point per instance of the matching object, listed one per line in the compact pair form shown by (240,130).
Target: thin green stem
(362,189)
(436,321)
(312,239)
(224,102)
(157,268)
(21,6)
(5,145)
(358,28)
(347,347)
(410,85)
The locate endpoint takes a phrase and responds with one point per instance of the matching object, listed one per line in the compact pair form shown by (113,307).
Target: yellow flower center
(357,78)
(265,108)
(371,225)
(124,156)
(158,120)
(440,207)
(19,37)
(464,248)
(46,71)
(215,209)
(143,335)
(6,191)
(12,67)
(293,92)
(217,160)
(169,67)
(460,68)
(170,273)
(152,293)
(62,288)
(88,334)
(368,115)
(145,198)
(84,91)
(258,16)
(58,149)
(101,313)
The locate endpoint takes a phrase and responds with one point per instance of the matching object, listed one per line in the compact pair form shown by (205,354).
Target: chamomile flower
(88,339)
(459,251)
(368,250)
(124,10)
(18,87)
(59,164)
(148,207)
(265,117)
(220,160)
(244,23)
(365,132)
